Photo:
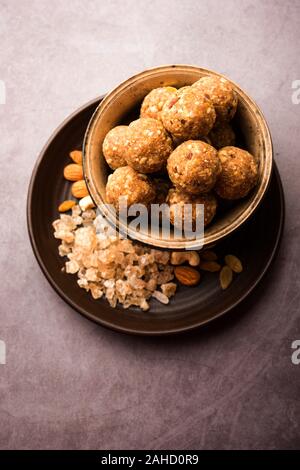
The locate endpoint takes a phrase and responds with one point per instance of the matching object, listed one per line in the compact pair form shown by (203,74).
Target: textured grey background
(71,384)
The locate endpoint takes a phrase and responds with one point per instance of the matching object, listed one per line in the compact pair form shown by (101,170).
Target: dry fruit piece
(234,263)
(76,156)
(73,172)
(209,255)
(66,205)
(226,275)
(187,276)
(86,203)
(79,189)
(211,266)
(180,257)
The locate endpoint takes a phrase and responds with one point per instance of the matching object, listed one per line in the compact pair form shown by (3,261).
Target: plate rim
(127,330)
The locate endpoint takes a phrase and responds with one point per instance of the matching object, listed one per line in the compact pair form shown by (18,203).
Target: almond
(211,266)
(225,277)
(234,263)
(76,156)
(73,172)
(209,255)
(66,205)
(186,275)
(79,189)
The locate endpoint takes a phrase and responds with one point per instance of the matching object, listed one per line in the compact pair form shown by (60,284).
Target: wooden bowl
(122,105)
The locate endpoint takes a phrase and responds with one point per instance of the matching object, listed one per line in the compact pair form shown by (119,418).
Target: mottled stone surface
(71,384)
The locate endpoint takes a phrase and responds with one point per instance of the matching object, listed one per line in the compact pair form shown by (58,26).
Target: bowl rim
(208,239)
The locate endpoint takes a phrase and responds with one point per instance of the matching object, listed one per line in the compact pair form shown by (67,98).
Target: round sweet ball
(222,95)
(222,136)
(149,147)
(177,200)
(239,173)
(194,167)
(127,183)
(155,100)
(188,114)
(114,146)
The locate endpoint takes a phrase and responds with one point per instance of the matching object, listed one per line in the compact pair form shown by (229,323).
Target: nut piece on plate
(187,276)
(79,189)
(219,90)
(149,146)
(188,114)
(76,156)
(239,173)
(222,135)
(155,100)
(194,167)
(209,255)
(210,266)
(177,199)
(226,276)
(73,172)
(86,203)
(126,182)
(115,145)
(180,257)
(66,205)
(234,263)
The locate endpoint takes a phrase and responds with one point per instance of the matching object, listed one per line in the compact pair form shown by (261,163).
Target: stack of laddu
(184,141)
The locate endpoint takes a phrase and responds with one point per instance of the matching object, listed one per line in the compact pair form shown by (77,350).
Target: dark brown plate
(255,244)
